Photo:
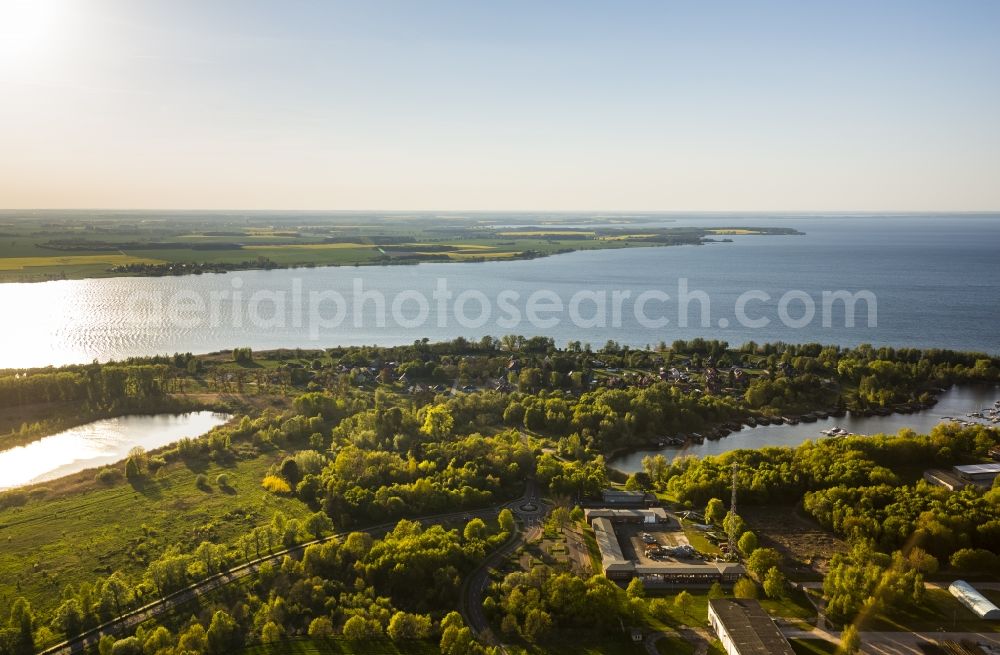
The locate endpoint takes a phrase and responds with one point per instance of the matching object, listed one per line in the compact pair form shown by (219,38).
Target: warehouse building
(959,477)
(980,605)
(651,515)
(646,528)
(619,498)
(744,628)
(981,475)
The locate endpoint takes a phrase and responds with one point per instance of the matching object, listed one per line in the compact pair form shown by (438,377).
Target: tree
(127,646)
(355,628)
(21,622)
(452,619)
(403,626)
(194,640)
(271,633)
(438,422)
(636,589)
(223,634)
(774,583)
(106,643)
(715,591)
(537,623)
(136,463)
(318,524)
(761,561)
(683,602)
(747,543)
(850,641)
(69,618)
(159,641)
(475,530)
(506,520)
(734,525)
(745,588)
(715,511)
(321,628)
(922,561)
(632,483)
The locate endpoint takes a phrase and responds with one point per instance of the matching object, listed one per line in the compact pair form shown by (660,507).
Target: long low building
(619,515)
(980,605)
(665,573)
(959,477)
(981,475)
(744,628)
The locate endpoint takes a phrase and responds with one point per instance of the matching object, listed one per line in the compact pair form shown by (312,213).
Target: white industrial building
(975,601)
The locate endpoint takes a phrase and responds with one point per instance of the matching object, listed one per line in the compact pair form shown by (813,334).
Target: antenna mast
(732,508)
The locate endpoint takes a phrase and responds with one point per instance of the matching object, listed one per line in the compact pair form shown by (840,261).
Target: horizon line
(505,211)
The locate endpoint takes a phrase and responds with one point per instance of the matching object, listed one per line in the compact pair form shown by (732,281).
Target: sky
(631,105)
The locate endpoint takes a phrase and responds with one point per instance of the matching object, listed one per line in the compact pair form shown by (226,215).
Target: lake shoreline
(949,396)
(84,475)
(707,236)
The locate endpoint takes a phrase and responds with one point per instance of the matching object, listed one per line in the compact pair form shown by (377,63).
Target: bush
(201,481)
(222,480)
(276,485)
(109,476)
(13,499)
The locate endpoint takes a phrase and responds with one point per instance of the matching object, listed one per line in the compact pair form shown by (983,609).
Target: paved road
(530,512)
(169,602)
(898,643)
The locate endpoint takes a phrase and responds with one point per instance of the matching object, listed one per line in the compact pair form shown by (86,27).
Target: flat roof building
(975,601)
(959,477)
(651,515)
(618,565)
(619,498)
(744,628)
(979,474)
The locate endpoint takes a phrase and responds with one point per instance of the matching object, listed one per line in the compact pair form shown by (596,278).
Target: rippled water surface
(936,279)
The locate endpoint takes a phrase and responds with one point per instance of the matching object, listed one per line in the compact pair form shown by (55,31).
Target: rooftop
(607,542)
(979,469)
(622,513)
(975,601)
(749,627)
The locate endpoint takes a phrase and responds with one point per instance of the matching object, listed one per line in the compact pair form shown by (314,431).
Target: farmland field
(38,246)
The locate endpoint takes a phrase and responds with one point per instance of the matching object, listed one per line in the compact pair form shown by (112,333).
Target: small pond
(98,443)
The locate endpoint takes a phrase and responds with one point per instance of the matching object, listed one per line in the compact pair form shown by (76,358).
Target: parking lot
(630,536)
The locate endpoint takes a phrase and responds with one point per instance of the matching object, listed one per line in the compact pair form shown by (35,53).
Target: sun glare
(29,30)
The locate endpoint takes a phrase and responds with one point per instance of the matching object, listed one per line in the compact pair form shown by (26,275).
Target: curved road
(160,606)
(530,512)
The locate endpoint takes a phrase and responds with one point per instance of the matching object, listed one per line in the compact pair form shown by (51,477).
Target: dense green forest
(352,444)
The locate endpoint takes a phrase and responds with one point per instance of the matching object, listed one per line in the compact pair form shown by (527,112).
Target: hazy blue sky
(749,105)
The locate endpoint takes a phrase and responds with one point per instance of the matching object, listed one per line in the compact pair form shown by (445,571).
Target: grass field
(67,266)
(813,647)
(49,543)
(940,610)
(56,245)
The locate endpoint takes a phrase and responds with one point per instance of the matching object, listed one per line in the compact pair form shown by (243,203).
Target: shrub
(109,476)
(201,481)
(276,485)
(13,499)
(222,480)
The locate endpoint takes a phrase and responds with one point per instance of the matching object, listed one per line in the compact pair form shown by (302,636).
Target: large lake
(98,443)
(957,402)
(936,279)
